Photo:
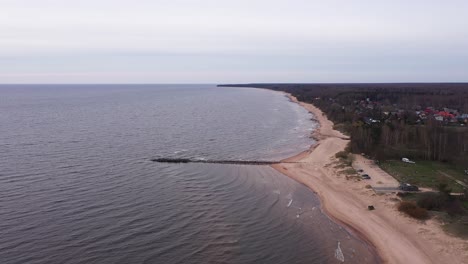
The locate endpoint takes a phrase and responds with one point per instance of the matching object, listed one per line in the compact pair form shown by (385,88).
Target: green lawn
(426,173)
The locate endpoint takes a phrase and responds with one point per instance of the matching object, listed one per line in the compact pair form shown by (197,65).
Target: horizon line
(244,83)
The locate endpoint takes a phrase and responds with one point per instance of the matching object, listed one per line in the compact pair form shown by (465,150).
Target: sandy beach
(396,237)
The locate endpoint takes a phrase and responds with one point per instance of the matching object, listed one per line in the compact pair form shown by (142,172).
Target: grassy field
(426,173)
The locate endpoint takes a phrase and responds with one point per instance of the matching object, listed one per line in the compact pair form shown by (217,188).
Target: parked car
(408,187)
(366,176)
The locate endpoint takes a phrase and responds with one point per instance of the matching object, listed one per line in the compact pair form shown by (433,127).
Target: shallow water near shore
(77,184)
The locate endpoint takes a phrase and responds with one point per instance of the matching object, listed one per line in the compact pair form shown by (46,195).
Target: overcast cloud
(188,41)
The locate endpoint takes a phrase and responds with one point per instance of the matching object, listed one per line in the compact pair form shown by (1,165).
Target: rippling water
(77,186)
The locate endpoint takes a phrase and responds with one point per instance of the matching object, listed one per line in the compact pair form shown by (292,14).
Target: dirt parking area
(379,178)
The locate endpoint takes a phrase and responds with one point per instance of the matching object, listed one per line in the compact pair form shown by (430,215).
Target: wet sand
(396,237)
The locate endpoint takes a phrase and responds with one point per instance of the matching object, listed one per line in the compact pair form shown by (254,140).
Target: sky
(237,41)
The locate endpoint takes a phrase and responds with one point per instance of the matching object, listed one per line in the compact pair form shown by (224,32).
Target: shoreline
(394,237)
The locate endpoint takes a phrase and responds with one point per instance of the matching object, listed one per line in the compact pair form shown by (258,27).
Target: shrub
(403,194)
(348,148)
(444,188)
(341,155)
(455,207)
(345,157)
(431,201)
(411,209)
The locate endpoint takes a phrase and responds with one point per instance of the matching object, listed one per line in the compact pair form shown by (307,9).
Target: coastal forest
(424,121)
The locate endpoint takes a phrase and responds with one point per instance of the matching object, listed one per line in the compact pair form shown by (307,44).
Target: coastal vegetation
(344,164)
(451,209)
(442,200)
(413,210)
(345,157)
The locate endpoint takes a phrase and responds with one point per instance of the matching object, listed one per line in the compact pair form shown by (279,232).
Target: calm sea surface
(77,184)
